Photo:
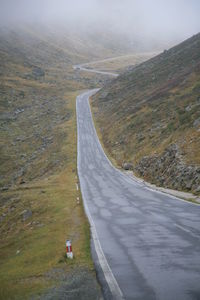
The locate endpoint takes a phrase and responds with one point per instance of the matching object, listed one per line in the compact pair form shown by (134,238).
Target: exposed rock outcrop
(169,170)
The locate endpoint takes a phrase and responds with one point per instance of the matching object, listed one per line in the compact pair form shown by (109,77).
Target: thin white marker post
(69,252)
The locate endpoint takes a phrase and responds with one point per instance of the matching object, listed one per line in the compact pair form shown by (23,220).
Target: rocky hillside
(36,72)
(40,206)
(150,117)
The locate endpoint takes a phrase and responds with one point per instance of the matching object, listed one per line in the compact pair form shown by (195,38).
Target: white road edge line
(111,281)
(132,179)
(186,230)
(183,228)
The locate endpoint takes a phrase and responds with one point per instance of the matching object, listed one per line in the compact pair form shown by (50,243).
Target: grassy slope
(55,217)
(121,63)
(38,160)
(152,106)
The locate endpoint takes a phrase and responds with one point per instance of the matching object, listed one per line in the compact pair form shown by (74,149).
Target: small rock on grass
(127,166)
(26,214)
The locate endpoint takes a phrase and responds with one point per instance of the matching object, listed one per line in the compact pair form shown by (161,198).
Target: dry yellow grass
(147,109)
(121,62)
(56,216)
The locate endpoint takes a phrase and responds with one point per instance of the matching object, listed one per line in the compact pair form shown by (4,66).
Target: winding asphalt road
(148,242)
(85,67)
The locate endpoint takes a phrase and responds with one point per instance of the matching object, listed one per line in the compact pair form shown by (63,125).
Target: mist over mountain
(153,23)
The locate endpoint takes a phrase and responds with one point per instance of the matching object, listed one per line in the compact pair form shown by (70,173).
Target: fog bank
(138,19)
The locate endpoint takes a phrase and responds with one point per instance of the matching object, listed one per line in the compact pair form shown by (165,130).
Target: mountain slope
(150,116)
(39,209)
(40,206)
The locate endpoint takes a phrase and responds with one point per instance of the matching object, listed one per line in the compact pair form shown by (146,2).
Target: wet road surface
(151,240)
(87,69)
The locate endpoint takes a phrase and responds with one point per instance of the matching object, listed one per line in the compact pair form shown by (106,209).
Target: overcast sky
(166,18)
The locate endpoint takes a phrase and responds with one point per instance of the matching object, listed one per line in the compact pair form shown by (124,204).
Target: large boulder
(38,72)
(127,166)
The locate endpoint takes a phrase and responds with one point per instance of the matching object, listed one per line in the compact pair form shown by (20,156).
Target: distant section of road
(147,242)
(132,59)
(85,67)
